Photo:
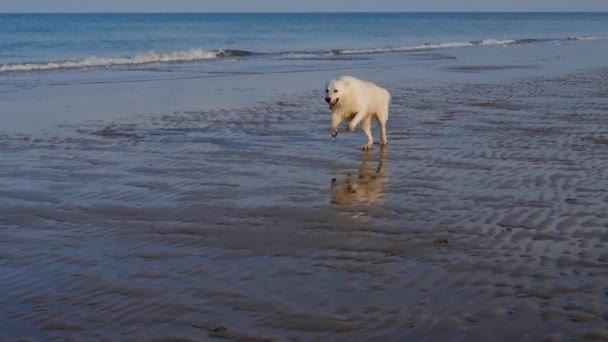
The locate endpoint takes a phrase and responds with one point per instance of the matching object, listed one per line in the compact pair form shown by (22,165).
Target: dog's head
(333,90)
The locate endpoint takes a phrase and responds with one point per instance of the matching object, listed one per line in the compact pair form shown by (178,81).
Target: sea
(240,42)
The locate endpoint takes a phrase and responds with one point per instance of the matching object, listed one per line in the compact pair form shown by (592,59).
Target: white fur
(358,101)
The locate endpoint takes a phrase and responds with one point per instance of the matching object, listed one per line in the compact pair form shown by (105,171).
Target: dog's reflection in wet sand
(366,187)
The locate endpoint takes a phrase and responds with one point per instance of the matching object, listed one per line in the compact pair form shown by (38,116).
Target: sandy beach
(202,208)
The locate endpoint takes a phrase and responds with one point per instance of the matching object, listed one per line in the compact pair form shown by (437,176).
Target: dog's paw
(384,143)
(351,128)
(334,133)
(366,147)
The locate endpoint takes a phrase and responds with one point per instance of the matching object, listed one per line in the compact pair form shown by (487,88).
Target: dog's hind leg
(382,123)
(366,125)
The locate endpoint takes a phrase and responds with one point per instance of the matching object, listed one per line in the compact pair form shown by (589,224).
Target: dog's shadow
(364,187)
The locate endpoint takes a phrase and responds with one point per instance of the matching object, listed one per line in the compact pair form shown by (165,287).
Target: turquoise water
(33,42)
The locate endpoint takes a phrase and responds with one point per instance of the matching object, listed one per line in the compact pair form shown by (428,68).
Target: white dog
(359,101)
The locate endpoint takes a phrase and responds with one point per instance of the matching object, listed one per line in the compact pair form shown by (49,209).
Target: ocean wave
(452,45)
(438,46)
(406,48)
(493,42)
(139,59)
(298,55)
(194,55)
(588,38)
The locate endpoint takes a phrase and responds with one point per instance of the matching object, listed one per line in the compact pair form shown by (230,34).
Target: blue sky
(297,5)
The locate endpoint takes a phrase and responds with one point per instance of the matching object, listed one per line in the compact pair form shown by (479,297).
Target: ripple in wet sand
(239,224)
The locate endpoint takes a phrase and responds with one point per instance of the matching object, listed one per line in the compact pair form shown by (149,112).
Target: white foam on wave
(428,46)
(588,38)
(298,55)
(495,42)
(97,62)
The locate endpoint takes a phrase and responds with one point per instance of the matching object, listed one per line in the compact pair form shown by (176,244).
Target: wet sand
(484,219)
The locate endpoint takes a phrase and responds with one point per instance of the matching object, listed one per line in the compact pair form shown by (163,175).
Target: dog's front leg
(336,120)
(355,121)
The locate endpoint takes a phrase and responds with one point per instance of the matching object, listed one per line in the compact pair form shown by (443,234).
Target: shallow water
(188,209)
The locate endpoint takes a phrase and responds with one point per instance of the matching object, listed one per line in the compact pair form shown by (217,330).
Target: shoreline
(32,102)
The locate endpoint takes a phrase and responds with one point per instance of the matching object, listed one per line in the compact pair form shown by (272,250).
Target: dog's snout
(327,99)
